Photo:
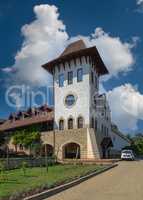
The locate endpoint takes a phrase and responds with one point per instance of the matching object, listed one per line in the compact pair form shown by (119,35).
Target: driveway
(124,182)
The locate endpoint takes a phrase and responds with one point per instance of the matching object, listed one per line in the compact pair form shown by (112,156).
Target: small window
(79,75)
(92,77)
(80,122)
(70,123)
(102,129)
(96,82)
(61,124)
(107,132)
(70,100)
(70,78)
(92,122)
(95,124)
(61,80)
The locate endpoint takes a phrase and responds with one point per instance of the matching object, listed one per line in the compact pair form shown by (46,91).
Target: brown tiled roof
(75,46)
(77,50)
(9,125)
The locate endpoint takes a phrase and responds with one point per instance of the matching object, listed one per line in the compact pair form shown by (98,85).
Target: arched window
(70,123)
(80,122)
(92,122)
(61,124)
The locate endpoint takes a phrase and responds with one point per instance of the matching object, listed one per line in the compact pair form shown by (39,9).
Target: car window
(127,151)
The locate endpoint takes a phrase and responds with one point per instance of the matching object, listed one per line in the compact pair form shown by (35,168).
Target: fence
(13,163)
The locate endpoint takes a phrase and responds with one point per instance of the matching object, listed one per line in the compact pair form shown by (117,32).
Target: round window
(70,100)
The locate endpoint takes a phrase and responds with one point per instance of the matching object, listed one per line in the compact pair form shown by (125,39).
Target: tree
(29,138)
(136,144)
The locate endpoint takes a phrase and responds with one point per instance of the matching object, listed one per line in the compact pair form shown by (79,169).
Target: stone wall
(85,137)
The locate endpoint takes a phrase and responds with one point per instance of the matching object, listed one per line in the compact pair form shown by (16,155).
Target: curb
(53,191)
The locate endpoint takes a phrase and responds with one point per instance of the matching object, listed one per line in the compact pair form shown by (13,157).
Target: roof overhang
(91,52)
(11,125)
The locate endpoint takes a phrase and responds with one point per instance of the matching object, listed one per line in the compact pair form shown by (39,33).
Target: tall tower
(76,79)
(76,74)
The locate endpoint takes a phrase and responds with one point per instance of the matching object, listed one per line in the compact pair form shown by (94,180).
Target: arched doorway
(48,150)
(71,150)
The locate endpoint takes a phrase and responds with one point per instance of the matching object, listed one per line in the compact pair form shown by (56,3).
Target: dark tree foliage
(2,139)
(136,144)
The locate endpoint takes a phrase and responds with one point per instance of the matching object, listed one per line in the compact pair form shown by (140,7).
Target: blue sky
(118,35)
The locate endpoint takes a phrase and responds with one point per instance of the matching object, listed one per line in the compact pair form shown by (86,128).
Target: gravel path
(124,182)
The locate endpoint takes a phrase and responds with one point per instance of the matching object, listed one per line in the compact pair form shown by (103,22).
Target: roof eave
(92,51)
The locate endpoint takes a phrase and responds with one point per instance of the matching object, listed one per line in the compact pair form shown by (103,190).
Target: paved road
(124,182)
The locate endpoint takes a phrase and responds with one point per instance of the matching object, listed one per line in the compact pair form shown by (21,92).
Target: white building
(79,108)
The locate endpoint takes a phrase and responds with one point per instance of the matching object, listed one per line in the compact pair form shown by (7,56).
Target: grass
(38,177)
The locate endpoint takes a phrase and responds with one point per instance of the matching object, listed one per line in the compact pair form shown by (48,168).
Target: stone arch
(71,150)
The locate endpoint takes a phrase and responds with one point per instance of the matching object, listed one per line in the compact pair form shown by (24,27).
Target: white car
(127,155)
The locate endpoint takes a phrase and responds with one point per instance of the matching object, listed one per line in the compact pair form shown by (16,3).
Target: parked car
(127,155)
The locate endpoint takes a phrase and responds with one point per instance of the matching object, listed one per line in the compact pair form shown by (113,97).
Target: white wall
(84,91)
(79,89)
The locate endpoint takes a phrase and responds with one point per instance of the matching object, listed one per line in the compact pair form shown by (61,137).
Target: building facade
(79,125)
(80,111)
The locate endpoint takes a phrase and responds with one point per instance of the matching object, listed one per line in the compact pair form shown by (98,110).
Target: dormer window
(70,77)
(61,80)
(79,75)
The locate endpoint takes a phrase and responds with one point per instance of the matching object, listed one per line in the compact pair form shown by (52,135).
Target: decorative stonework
(79,136)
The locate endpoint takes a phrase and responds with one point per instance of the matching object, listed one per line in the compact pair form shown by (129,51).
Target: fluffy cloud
(139,2)
(44,39)
(126,104)
(116,54)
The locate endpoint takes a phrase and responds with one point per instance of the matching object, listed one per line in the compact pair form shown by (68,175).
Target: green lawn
(36,177)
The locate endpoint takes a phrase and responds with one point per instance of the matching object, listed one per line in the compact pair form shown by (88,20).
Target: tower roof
(76,50)
(73,47)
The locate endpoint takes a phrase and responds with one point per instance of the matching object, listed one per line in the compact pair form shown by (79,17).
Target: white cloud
(116,54)
(139,2)
(44,39)
(126,104)
(9,69)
